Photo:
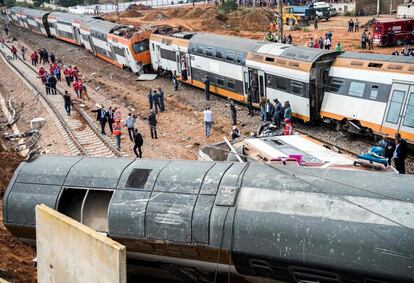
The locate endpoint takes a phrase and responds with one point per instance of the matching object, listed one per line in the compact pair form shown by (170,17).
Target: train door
(262,84)
(76,34)
(399,114)
(91,44)
(246,81)
(178,57)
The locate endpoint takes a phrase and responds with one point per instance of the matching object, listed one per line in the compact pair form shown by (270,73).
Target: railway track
(78,130)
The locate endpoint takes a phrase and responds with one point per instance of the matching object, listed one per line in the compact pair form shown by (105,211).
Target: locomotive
(195,221)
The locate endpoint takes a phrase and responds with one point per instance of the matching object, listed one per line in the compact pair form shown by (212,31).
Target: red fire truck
(389,32)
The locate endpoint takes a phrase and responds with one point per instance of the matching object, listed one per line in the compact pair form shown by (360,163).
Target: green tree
(228,6)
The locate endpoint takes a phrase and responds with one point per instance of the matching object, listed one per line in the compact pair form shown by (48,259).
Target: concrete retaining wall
(69,252)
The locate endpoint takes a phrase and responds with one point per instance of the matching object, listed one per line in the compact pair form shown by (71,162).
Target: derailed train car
(219,222)
(120,45)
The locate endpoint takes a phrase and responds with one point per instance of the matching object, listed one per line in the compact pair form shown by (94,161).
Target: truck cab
(390,32)
(297,15)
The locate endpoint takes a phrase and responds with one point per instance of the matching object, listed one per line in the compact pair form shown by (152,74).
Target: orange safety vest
(116,129)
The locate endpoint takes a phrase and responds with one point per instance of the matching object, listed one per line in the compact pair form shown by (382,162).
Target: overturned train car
(220,221)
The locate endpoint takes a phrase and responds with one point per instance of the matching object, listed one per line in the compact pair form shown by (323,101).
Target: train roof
(103,26)
(16,9)
(34,12)
(293,52)
(378,57)
(65,17)
(233,43)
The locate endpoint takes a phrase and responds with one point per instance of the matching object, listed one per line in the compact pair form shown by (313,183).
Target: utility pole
(378,8)
(280,22)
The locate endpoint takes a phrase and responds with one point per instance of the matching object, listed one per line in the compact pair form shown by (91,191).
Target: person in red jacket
(68,75)
(14,51)
(75,73)
(42,74)
(288,127)
(34,58)
(52,68)
(80,88)
(117,133)
(76,89)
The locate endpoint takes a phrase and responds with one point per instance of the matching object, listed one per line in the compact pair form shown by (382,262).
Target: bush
(305,29)
(349,14)
(228,6)
(9,2)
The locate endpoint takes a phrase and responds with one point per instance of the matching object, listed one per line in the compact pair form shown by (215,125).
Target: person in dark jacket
(161,98)
(110,117)
(138,142)
(52,84)
(278,113)
(52,58)
(388,147)
(233,112)
(45,57)
(175,81)
(156,100)
(68,102)
(152,122)
(101,117)
(250,104)
(206,87)
(150,99)
(47,85)
(400,153)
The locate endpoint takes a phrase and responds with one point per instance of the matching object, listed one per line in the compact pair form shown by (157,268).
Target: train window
(281,83)
(200,50)
(374,92)
(231,84)
(395,106)
(193,49)
(220,81)
(269,59)
(269,80)
(375,65)
(356,89)
(218,54)
(409,115)
(297,88)
(140,47)
(337,85)
(153,47)
(138,178)
(209,51)
(230,56)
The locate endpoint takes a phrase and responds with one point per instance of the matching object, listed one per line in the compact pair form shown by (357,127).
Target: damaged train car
(195,221)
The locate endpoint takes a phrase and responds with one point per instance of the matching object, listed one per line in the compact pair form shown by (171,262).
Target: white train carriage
(36,21)
(15,16)
(294,74)
(61,26)
(170,52)
(371,93)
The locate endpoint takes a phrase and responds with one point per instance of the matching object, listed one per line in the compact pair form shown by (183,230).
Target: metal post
(280,22)
(378,8)
(391,7)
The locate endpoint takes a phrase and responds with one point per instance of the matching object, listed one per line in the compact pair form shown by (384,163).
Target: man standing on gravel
(138,142)
(152,122)
(233,112)
(208,121)
(400,153)
(206,87)
(68,102)
(101,117)
(130,124)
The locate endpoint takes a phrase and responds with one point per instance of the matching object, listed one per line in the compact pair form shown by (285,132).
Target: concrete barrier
(68,251)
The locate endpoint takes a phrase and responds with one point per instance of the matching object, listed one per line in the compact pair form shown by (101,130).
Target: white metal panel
(32,22)
(266,148)
(371,76)
(101,44)
(355,108)
(299,105)
(218,67)
(279,71)
(65,28)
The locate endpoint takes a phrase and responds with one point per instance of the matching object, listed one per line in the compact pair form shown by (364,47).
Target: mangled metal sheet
(96,173)
(47,170)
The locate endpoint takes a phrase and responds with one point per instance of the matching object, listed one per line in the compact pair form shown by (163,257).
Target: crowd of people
(324,42)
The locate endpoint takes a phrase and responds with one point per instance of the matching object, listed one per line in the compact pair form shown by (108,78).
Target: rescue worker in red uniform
(42,74)
(117,133)
(288,127)
(76,89)
(14,51)
(68,75)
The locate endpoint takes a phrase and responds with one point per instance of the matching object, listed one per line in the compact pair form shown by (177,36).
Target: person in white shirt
(208,121)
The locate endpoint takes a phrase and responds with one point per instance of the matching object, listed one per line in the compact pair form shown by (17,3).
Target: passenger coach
(371,93)
(282,71)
